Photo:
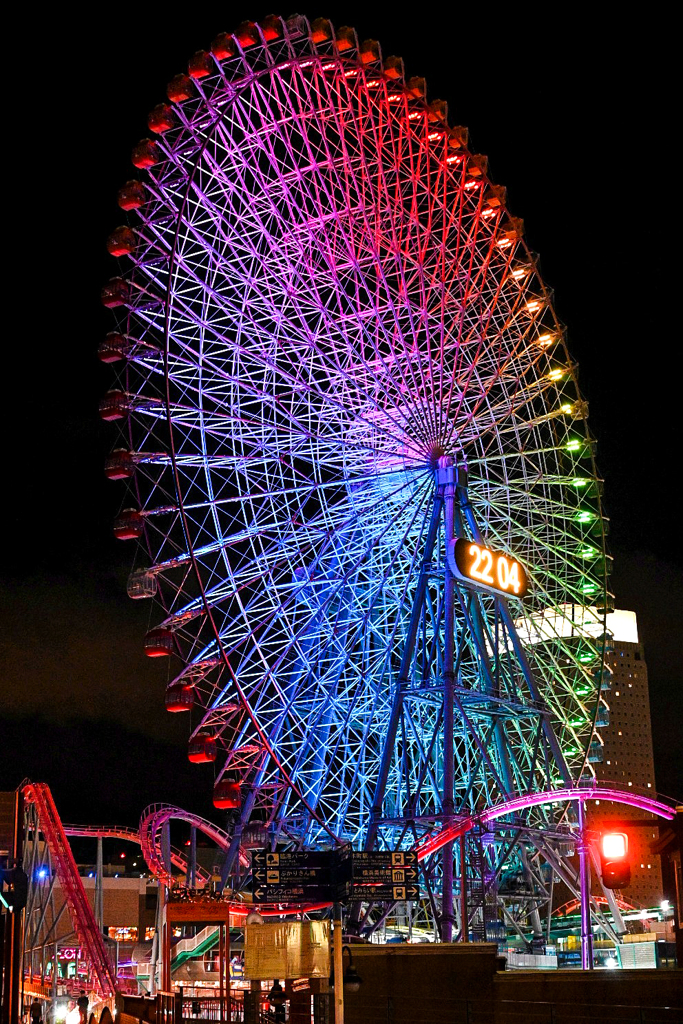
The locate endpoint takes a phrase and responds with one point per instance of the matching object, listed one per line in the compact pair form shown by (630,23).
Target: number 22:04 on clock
(496,571)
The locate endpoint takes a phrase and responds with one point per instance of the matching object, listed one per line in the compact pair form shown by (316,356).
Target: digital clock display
(496,571)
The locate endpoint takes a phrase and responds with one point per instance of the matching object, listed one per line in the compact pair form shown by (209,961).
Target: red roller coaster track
(132,835)
(82,918)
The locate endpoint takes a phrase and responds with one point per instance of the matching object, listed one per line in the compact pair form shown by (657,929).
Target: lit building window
(123,934)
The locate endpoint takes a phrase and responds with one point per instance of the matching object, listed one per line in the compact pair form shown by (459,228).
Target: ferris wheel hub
(435,453)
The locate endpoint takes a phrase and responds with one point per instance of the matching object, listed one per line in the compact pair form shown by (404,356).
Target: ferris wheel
(341,378)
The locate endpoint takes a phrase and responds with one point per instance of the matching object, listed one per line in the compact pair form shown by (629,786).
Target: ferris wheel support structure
(452,516)
(448,487)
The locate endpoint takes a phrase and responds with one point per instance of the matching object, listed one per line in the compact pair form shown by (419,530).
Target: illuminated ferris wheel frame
(337,359)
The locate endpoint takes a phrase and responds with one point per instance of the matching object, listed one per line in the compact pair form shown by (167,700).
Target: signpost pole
(228,981)
(464,923)
(446,477)
(585,882)
(221,969)
(163,919)
(338,967)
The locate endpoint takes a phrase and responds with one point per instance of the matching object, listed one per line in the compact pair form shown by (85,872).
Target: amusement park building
(129,907)
(628,756)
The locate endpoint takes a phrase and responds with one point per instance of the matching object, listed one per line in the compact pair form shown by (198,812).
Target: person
(36,1012)
(82,1004)
(73,1014)
(276,997)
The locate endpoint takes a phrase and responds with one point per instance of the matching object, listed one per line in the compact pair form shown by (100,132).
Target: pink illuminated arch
(454,830)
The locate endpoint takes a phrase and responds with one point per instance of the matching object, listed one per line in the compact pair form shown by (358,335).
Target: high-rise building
(628,757)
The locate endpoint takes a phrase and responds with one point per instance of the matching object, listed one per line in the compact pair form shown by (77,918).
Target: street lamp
(352,979)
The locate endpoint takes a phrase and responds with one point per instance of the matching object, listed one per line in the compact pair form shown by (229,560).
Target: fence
(208,1008)
(366,1010)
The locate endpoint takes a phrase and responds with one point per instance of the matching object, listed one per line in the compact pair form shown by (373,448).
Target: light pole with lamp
(348,980)
(337,966)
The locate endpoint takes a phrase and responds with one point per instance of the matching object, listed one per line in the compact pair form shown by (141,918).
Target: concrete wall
(124,904)
(406,983)
(433,983)
(596,988)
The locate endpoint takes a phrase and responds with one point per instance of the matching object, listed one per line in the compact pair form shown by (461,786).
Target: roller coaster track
(151,824)
(594,791)
(82,918)
(132,835)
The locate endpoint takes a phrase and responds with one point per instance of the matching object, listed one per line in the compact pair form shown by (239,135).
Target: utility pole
(585,883)
(446,480)
(337,965)
(11,965)
(99,886)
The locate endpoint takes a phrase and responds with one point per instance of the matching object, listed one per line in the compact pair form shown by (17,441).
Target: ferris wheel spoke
(550,558)
(274,614)
(180,413)
(295,775)
(420,386)
(294,271)
(508,406)
(347,166)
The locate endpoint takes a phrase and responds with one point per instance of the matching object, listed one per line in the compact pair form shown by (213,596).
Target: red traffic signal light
(614,863)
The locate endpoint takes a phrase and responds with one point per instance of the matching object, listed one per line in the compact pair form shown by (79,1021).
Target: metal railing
(369,1010)
(208,1008)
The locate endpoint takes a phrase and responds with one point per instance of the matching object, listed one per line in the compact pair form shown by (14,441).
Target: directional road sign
(305,876)
(397,876)
(334,875)
(294,859)
(294,875)
(358,892)
(381,858)
(294,893)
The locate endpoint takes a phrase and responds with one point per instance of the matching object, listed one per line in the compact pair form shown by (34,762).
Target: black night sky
(572,109)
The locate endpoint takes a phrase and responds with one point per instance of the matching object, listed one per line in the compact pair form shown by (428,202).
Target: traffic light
(614,863)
